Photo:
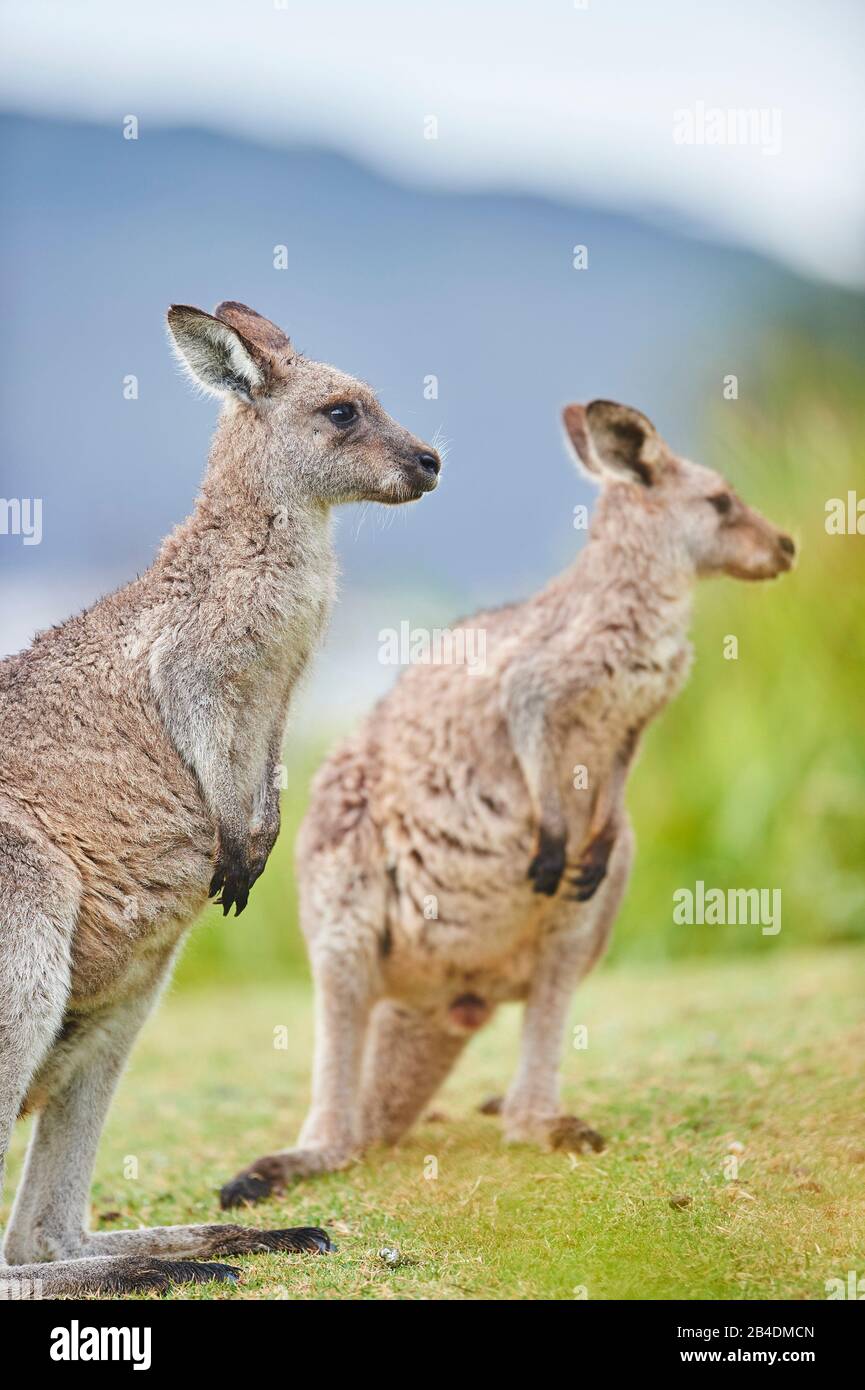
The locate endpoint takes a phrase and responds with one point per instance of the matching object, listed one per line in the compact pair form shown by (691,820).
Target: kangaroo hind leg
(343,912)
(48,1235)
(408,1057)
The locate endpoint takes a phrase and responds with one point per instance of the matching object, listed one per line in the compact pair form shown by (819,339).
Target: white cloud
(544,97)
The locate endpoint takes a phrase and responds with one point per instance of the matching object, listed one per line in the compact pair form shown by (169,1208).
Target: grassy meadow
(689,1065)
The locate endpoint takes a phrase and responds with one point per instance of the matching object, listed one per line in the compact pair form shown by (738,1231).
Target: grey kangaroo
(139,742)
(450,860)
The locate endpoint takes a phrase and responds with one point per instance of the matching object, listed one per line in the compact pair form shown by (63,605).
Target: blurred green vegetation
(755,777)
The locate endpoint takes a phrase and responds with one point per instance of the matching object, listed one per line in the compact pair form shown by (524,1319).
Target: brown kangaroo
(448,863)
(139,742)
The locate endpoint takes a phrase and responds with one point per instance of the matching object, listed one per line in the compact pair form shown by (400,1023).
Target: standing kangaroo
(139,742)
(459,792)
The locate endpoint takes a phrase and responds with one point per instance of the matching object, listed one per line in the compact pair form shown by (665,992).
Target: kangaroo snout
(787,546)
(422,469)
(430,462)
(759,551)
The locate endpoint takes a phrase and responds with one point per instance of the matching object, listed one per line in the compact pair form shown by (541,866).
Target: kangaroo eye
(341,414)
(722,502)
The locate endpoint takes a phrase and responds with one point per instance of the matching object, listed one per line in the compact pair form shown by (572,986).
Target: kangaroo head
(690,510)
(308,426)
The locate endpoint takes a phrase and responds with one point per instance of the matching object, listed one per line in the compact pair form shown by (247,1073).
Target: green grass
(683,1060)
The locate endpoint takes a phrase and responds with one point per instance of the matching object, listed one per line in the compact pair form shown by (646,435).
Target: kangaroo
(458,794)
(139,742)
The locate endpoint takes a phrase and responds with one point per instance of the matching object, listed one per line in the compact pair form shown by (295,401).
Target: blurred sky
(303,125)
(561,98)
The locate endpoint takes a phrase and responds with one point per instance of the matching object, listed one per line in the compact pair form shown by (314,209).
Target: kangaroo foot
(491,1106)
(246,1240)
(138,1274)
(274,1172)
(571,1133)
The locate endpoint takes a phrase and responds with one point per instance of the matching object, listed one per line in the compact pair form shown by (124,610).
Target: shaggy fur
(450,859)
(137,770)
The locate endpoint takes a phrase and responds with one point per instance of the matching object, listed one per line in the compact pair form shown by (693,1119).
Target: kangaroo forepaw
(232,880)
(548,865)
(263,842)
(586,882)
(592,868)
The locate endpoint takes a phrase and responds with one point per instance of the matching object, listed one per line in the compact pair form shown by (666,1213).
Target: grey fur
(137,772)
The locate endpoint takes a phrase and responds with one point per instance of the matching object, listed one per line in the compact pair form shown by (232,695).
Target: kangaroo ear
(611,440)
(221,360)
(625,441)
(255,328)
(579,439)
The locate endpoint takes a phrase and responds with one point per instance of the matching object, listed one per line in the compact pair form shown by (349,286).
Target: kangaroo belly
(126,971)
(475,955)
(133,901)
(113,956)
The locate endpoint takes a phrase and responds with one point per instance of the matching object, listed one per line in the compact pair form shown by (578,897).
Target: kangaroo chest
(265,687)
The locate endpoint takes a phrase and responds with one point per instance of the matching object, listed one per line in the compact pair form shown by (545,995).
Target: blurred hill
(392,284)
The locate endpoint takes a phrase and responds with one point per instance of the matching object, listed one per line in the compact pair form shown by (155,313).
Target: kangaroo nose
(430,461)
(787,544)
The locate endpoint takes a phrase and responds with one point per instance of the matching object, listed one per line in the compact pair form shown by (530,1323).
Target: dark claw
(248,1188)
(592,868)
(202,1271)
(232,880)
(256,871)
(492,1105)
(548,865)
(309,1239)
(573,1134)
(241,1240)
(235,894)
(159,1275)
(587,880)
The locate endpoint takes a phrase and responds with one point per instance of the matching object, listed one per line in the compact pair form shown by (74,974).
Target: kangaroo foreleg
(266,812)
(537,750)
(531,1109)
(200,713)
(605,824)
